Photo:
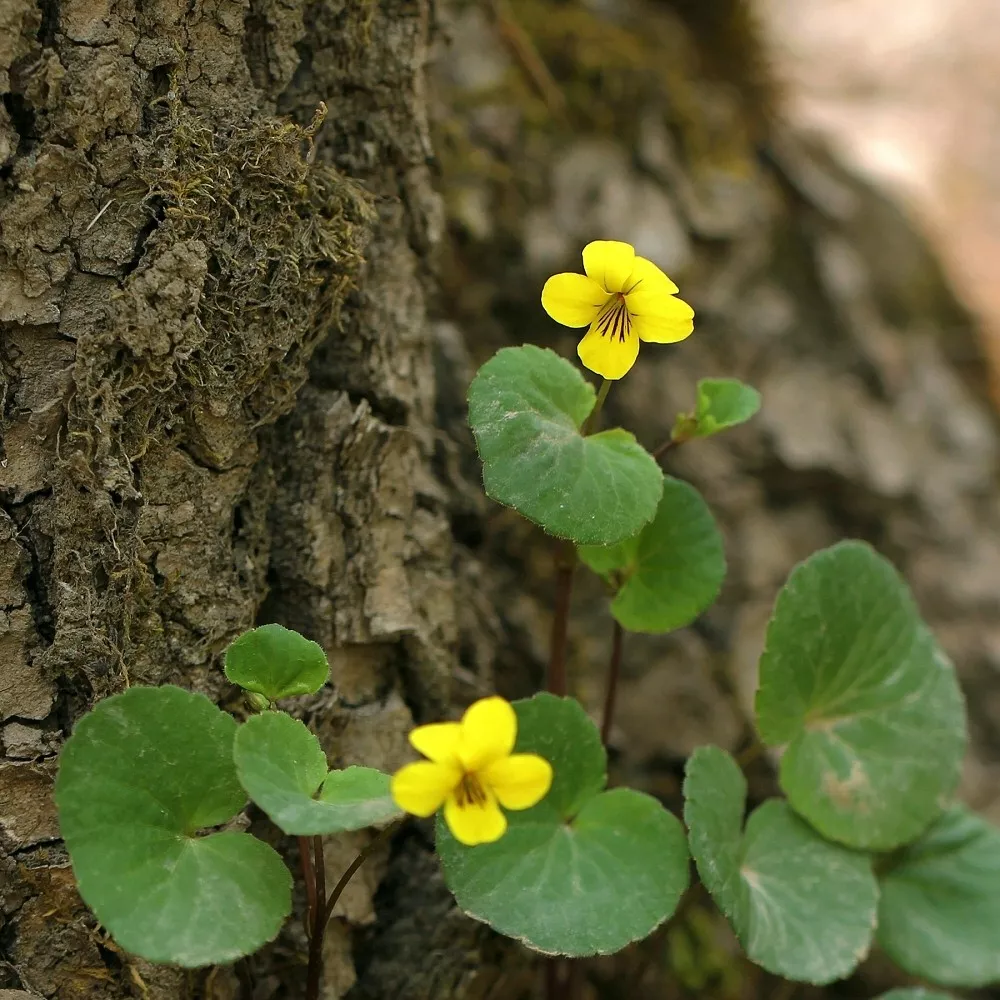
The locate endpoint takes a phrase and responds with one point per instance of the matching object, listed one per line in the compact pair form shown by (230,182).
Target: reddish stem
(664,448)
(305,860)
(565,565)
(614,672)
(314,974)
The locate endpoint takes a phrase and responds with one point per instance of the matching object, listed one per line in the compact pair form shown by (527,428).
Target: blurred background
(909,94)
(820,178)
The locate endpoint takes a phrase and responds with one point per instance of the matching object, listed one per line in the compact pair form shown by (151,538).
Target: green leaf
(140,776)
(853,682)
(803,908)
(913,994)
(584,872)
(723,403)
(282,766)
(276,662)
(940,912)
(526,407)
(672,570)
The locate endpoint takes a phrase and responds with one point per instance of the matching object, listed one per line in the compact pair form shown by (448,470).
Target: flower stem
(305,860)
(320,864)
(317,924)
(590,424)
(565,559)
(366,852)
(614,671)
(326,909)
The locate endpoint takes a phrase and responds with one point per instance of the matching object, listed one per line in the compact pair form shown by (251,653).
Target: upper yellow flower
(472,772)
(623,299)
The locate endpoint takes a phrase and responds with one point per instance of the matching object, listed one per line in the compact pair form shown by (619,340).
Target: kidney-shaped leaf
(803,908)
(526,407)
(283,769)
(853,682)
(672,570)
(140,776)
(940,912)
(584,872)
(276,662)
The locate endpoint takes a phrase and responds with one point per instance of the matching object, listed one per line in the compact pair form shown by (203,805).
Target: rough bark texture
(225,401)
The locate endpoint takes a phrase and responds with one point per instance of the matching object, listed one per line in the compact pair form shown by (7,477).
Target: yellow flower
(471,771)
(623,299)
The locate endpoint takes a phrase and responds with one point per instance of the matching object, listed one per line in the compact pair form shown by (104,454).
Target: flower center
(470,792)
(614,319)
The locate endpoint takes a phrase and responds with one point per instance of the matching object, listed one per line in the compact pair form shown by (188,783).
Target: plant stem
(320,865)
(614,671)
(565,565)
(590,424)
(305,859)
(664,448)
(366,852)
(318,921)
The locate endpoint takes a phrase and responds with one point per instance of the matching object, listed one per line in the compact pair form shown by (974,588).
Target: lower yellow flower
(622,299)
(472,771)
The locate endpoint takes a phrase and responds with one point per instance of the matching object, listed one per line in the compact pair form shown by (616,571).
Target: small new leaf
(526,408)
(803,908)
(141,775)
(283,769)
(584,872)
(853,682)
(275,662)
(939,916)
(723,403)
(672,570)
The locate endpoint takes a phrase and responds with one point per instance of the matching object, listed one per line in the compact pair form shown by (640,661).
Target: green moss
(281,239)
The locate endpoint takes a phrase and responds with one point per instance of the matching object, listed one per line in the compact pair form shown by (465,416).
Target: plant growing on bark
(854,692)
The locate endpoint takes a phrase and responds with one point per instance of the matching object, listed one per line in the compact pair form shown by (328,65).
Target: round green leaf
(526,407)
(584,872)
(803,908)
(940,912)
(282,766)
(853,682)
(913,994)
(672,570)
(141,774)
(723,403)
(276,662)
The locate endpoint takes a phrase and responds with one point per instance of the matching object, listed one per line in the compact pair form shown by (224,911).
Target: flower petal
(475,822)
(489,729)
(609,352)
(644,275)
(573,299)
(661,319)
(519,781)
(438,741)
(422,787)
(609,263)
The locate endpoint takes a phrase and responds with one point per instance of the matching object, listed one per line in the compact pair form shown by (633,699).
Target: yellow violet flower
(622,299)
(472,771)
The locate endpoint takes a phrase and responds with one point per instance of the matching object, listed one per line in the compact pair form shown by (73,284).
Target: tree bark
(213,414)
